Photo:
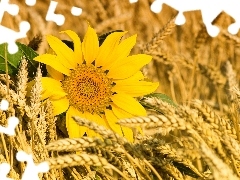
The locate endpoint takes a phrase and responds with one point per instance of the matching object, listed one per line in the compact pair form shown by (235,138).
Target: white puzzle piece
(10,128)
(12,9)
(76,11)
(31,170)
(30,2)
(4,170)
(4,105)
(209,10)
(8,35)
(59,19)
(12,121)
(133,1)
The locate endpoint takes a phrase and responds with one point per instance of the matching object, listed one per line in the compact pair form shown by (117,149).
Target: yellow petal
(64,53)
(122,51)
(92,133)
(128,66)
(125,47)
(54,62)
(135,88)
(120,113)
(122,131)
(129,104)
(54,96)
(52,88)
(60,105)
(90,45)
(107,48)
(54,73)
(74,130)
(77,45)
(136,77)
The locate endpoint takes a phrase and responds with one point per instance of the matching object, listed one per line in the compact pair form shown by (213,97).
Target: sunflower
(96,83)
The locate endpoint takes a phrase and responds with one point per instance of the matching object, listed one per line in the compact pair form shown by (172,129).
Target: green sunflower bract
(96,83)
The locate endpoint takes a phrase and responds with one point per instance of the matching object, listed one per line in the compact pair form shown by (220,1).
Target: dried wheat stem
(115,20)
(3,93)
(76,160)
(170,169)
(214,75)
(162,123)
(5,148)
(172,89)
(105,133)
(230,36)
(152,169)
(73,174)
(234,163)
(231,80)
(134,162)
(100,9)
(158,37)
(35,101)
(42,141)
(22,85)
(6,66)
(232,145)
(107,154)
(219,124)
(163,57)
(119,172)
(51,121)
(76,144)
(220,170)
(201,38)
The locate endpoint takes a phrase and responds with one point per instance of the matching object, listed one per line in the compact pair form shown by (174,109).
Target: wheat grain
(105,133)
(220,169)
(77,144)
(158,37)
(76,160)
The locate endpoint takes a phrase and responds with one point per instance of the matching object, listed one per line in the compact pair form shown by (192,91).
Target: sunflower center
(88,89)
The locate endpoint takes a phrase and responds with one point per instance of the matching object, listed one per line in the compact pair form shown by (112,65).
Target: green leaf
(27,51)
(14,59)
(162,97)
(30,54)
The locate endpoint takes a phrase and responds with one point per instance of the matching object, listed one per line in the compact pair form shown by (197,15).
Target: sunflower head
(95,82)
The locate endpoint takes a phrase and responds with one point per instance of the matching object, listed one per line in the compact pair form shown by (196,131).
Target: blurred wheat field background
(196,138)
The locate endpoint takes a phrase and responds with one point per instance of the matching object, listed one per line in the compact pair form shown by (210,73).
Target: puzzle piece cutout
(10,129)
(133,1)
(12,121)
(4,170)
(30,2)
(76,11)
(59,19)
(4,105)
(31,171)
(209,10)
(8,35)
(12,9)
